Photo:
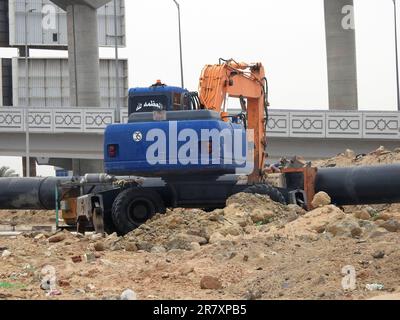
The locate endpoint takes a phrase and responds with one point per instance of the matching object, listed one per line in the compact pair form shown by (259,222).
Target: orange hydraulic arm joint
(239,80)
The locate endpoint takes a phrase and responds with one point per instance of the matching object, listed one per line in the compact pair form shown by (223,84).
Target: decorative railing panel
(281,123)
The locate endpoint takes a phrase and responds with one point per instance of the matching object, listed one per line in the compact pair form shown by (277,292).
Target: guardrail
(281,124)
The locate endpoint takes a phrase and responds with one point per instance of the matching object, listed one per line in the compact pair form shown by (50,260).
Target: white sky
(287,36)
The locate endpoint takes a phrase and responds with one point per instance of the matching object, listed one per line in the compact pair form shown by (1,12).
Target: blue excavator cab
(166,137)
(159,97)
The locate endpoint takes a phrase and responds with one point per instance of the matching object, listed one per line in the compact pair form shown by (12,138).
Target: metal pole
(27,138)
(180,42)
(117,96)
(397,55)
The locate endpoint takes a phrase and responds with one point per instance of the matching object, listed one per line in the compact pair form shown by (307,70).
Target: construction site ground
(253,249)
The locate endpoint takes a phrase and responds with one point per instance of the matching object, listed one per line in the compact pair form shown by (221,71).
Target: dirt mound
(252,249)
(184,229)
(349,159)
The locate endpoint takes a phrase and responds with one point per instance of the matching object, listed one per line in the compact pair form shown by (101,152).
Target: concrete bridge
(77,133)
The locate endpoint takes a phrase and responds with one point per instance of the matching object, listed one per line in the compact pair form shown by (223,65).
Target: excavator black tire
(133,207)
(265,189)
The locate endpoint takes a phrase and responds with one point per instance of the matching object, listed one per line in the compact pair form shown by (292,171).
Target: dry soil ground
(253,249)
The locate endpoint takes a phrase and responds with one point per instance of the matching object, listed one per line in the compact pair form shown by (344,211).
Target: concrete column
(83,60)
(32,166)
(341,52)
(83,52)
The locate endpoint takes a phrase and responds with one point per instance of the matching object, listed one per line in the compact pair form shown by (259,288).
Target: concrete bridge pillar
(341,52)
(83,60)
(83,50)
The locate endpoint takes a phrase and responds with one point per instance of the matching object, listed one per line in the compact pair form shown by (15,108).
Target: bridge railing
(58,120)
(281,123)
(334,124)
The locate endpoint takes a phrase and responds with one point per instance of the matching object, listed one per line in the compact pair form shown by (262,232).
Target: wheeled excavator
(184,149)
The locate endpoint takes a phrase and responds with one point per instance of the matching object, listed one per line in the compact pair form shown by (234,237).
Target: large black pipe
(346,186)
(28,193)
(361,185)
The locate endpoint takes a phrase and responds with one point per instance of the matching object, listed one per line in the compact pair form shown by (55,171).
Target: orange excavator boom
(239,80)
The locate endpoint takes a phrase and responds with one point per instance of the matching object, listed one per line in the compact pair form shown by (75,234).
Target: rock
(131,247)
(258,215)
(356,232)
(90,287)
(350,154)
(6,254)
(129,295)
(380,151)
(384,216)
(372,211)
(194,246)
(57,238)
(54,292)
(292,216)
(76,259)
(96,237)
(391,225)
(99,247)
(363,215)
(321,199)
(345,228)
(210,283)
(216,237)
(231,230)
(90,257)
(378,254)
(186,270)
(97,255)
(158,249)
(39,237)
(253,295)
(79,291)
(378,233)
(191,238)
(64,283)
(375,287)
(320,229)
(179,243)
(367,225)
(112,237)
(144,246)
(296,209)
